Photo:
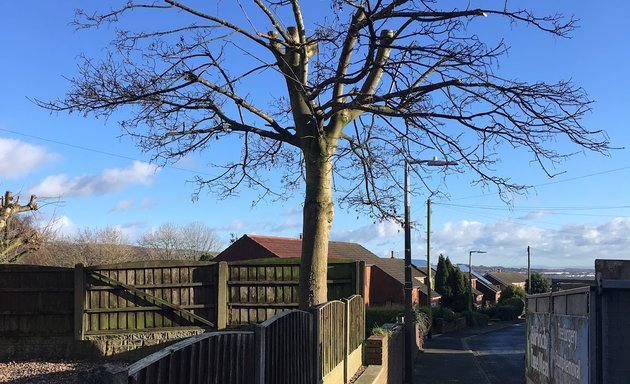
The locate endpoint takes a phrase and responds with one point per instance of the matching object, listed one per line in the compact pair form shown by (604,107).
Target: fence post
(259,354)
(79,301)
(317,337)
(346,338)
(361,279)
(222,295)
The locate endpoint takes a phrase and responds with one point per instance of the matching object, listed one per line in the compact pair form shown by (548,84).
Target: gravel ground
(45,372)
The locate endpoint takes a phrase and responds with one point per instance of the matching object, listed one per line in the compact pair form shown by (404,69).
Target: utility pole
(408,320)
(529,271)
(429,334)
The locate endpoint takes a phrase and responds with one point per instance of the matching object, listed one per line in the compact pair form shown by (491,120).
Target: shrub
(423,320)
(489,311)
(377,316)
(515,302)
(476,319)
(507,312)
(512,291)
(380,331)
(444,313)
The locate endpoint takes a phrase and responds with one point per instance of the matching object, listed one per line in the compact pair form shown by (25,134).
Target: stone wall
(126,346)
(140,342)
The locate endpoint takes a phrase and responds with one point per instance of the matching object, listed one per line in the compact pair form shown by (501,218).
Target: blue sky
(104,180)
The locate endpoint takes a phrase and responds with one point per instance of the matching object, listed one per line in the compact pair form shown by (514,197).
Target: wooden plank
(158,301)
(222,300)
(79,302)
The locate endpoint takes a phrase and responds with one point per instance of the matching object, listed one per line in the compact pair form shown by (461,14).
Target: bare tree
(190,241)
(18,235)
(364,88)
(198,240)
(88,246)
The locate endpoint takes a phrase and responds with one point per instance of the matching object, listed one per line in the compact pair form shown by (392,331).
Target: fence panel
(355,307)
(259,290)
(286,345)
(210,358)
(149,295)
(36,300)
(330,339)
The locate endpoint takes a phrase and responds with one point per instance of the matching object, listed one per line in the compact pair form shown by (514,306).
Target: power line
(101,151)
(551,182)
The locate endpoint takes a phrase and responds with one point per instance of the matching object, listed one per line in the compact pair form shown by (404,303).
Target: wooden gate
(146,296)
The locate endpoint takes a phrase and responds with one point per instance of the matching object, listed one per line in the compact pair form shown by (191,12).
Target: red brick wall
(385,289)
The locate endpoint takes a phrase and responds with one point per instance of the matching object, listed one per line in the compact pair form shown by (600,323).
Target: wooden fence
(284,349)
(340,331)
(209,358)
(154,295)
(35,301)
(259,290)
(147,296)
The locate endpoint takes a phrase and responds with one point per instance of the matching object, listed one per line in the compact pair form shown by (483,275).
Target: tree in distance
(347,93)
(512,291)
(539,284)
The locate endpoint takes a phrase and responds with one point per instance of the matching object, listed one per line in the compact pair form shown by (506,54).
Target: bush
(512,291)
(423,320)
(514,302)
(507,312)
(489,311)
(377,316)
(476,319)
(444,313)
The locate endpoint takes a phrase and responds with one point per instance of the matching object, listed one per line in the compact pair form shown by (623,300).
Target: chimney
(392,256)
(301,236)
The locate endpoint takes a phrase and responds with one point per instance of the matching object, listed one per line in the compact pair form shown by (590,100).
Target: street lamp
(470,296)
(409,331)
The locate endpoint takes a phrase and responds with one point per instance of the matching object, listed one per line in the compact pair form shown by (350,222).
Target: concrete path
(447,359)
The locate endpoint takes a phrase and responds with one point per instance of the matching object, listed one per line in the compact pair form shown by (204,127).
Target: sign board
(557,349)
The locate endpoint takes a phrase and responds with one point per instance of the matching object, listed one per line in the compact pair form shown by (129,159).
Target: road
(500,353)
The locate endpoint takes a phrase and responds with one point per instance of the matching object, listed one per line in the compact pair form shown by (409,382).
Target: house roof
(489,285)
(286,247)
(479,277)
(507,278)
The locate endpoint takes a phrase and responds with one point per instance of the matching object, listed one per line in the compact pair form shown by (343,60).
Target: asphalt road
(500,353)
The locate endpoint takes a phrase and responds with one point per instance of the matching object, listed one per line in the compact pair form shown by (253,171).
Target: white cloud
(123,205)
(18,158)
(506,242)
(385,230)
(63,226)
(109,181)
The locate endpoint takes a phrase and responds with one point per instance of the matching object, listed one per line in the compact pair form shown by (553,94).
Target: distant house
(491,293)
(384,278)
(393,271)
(503,279)
(484,292)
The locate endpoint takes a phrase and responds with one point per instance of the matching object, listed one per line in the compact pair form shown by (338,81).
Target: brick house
(491,293)
(384,278)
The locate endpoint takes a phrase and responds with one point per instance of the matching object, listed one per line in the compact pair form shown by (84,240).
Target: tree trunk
(318,217)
